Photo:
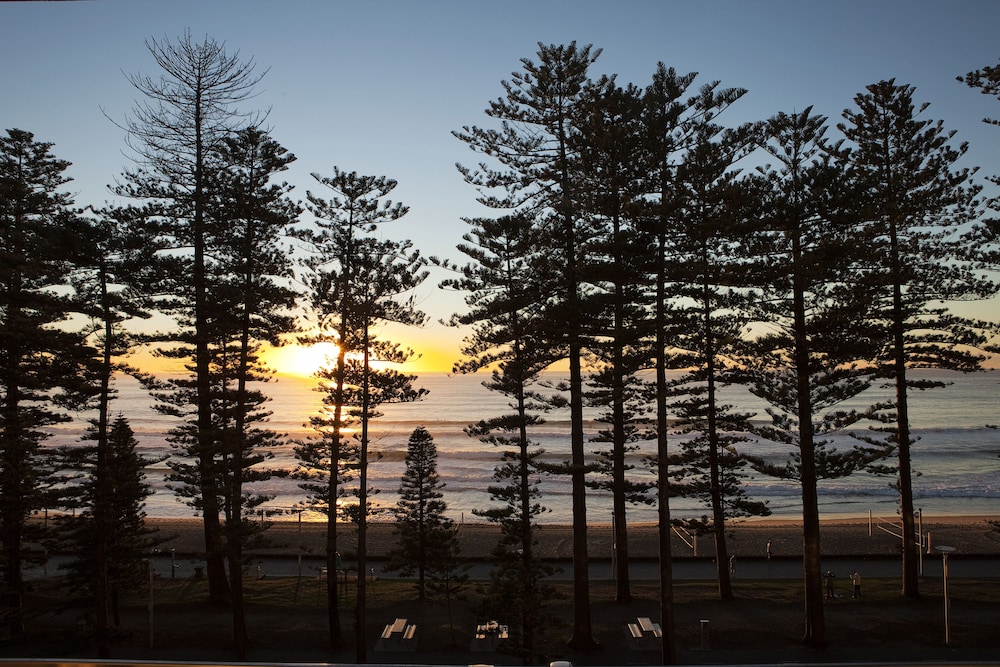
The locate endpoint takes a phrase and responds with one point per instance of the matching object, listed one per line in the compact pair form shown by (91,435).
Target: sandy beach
(970,535)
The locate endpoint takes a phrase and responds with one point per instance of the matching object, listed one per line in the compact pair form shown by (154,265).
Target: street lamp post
(947,604)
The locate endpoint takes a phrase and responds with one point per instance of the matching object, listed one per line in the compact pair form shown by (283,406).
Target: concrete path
(687,569)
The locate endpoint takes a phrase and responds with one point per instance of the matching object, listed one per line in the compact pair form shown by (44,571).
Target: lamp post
(944,559)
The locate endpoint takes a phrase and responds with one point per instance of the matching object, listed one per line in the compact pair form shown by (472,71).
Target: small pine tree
(448,577)
(426,535)
(128,540)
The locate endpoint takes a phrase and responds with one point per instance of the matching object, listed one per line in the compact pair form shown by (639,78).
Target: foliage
(356,282)
(177,134)
(44,365)
(539,176)
(915,202)
(505,283)
(426,535)
(804,357)
(117,527)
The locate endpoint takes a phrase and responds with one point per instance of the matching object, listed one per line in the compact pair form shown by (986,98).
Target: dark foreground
(763,624)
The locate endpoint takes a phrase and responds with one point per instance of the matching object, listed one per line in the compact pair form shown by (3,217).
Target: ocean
(956,460)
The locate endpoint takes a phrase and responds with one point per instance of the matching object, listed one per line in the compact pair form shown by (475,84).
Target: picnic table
(398,636)
(643,634)
(488,635)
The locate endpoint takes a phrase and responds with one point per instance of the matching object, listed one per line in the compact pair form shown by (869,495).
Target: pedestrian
(732,564)
(856,581)
(829,583)
(769,549)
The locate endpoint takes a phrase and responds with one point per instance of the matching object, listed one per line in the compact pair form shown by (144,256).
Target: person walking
(856,581)
(768,549)
(829,576)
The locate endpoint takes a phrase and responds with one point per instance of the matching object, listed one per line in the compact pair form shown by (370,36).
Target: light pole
(944,559)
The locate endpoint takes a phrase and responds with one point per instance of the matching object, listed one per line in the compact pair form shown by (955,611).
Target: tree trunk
(911,559)
(815,620)
(723,567)
(668,654)
(361,621)
(235,549)
(332,594)
(911,581)
(582,638)
(623,591)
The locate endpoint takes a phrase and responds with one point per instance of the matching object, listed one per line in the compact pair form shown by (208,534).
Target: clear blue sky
(378,86)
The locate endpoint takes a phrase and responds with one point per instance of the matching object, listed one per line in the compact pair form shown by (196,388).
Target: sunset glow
(301,360)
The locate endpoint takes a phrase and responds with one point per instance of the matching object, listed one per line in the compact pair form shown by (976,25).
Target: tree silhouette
(43,362)
(342,258)
(505,283)
(540,173)
(915,201)
(425,534)
(175,133)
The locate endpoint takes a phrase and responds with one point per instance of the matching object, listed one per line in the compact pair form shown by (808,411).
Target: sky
(379,86)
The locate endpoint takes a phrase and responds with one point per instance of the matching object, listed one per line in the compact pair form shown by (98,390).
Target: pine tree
(505,283)
(44,362)
(425,535)
(984,237)
(670,120)
(915,201)
(518,590)
(608,143)
(709,314)
(175,134)
(356,282)
(114,259)
(249,217)
(809,355)
(372,387)
(107,534)
(540,172)
(342,259)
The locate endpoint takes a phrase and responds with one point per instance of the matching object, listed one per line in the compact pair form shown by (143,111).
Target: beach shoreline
(971,535)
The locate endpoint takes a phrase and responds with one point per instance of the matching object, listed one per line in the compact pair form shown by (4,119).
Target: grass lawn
(287,622)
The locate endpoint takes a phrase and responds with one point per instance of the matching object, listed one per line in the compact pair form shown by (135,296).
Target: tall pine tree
(539,172)
(175,133)
(43,363)
(339,247)
(504,284)
(916,197)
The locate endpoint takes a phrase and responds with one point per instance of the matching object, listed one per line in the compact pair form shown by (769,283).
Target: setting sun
(435,348)
(303,360)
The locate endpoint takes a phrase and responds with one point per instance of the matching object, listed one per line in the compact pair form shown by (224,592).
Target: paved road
(646,570)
